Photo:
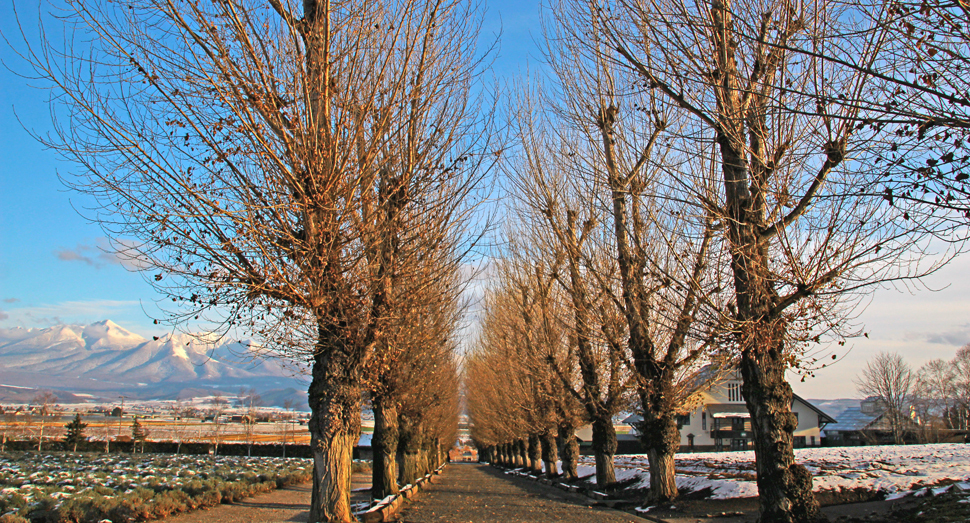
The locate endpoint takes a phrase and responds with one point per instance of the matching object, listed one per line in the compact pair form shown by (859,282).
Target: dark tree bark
(660,436)
(570,451)
(604,448)
(335,404)
(535,454)
(550,454)
(384,443)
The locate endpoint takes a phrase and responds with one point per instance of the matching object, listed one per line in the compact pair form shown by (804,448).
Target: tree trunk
(604,447)
(784,487)
(409,467)
(335,405)
(409,452)
(535,453)
(570,451)
(550,454)
(661,439)
(385,441)
(522,446)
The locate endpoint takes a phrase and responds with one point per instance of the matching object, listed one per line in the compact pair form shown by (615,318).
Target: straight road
(476,493)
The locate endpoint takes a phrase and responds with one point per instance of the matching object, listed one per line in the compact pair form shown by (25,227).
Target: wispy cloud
(957,337)
(101,253)
(3,315)
(11,300)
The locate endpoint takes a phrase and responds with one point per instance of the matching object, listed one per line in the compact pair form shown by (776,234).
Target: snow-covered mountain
(104,355)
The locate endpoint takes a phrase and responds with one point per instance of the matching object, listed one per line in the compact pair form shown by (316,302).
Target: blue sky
(52,268)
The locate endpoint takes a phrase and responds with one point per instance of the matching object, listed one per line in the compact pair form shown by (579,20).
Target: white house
(721,421)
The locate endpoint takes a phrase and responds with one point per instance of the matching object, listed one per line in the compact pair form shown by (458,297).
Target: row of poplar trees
(302,174)
(696,178)
(701,187)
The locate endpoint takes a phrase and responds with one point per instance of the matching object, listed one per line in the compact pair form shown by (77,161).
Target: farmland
(91,487)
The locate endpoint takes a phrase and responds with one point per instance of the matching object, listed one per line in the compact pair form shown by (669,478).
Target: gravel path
(481,494)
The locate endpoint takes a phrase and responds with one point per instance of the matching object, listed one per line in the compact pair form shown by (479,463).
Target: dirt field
(159,429)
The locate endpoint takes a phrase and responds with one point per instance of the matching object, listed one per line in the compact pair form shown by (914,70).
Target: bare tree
(890,379)
(935,390)
(246,154)
(286,422)
(250,400)
(46,408)
(961,368)
(752,83)
(216,409)
(180,419)
(664,277)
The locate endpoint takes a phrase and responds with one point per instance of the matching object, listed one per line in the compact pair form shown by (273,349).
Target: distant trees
(919,404)
(516,378)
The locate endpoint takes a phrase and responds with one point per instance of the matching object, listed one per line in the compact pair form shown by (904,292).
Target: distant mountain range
(104,359)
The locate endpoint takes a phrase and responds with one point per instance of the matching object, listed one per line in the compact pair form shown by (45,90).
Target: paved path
(481,494)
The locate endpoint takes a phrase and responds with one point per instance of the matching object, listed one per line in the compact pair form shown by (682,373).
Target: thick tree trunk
(409,467)
(570,451)
(384,469)
(550,454)
(604,448)
(522,453)
(334,397)
(661,439)
(535,454)
(784,487)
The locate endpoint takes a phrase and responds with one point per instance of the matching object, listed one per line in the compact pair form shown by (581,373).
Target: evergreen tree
(75,431)
(138,434)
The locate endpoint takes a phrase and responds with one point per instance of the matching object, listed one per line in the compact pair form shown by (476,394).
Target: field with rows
(64,487)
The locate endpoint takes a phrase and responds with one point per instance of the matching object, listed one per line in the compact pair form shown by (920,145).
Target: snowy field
(148,485)
(895,470)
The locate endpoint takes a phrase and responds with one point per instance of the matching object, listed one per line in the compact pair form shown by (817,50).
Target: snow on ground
(892,469)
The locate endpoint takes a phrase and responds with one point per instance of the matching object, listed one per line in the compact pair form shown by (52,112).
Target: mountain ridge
(106,356)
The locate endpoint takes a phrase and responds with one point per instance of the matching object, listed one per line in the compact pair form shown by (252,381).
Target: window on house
(734,392)
(704,420)
(683,419)
(737,424)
